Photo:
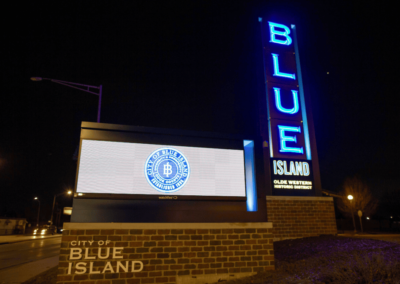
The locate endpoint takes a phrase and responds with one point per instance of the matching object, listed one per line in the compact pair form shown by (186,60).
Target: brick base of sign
(299,217)
(125,253)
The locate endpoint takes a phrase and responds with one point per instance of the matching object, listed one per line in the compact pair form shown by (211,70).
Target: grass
(325,259)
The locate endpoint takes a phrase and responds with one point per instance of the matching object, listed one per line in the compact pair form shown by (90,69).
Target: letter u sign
(278,102)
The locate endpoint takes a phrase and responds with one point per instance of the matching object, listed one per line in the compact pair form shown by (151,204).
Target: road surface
(23,252)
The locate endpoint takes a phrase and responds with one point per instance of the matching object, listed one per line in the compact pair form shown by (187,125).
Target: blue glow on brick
(283,139)
(278,102)
(251,189)
(276,68)
(274,32)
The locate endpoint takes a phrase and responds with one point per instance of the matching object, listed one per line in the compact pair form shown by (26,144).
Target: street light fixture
(350,198)
(69,192)
(37,223)
(82,87)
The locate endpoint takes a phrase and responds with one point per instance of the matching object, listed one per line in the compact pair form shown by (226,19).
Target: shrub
(364,268)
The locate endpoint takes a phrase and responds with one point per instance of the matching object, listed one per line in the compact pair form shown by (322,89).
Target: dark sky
(193,65)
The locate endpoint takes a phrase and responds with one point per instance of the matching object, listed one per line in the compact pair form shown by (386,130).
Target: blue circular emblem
(167,170)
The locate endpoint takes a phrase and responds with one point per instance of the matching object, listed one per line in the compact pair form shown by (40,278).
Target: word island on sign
(86,253)
(292,175)
(289,168)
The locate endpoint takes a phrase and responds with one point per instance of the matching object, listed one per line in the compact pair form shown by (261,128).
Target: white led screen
(133,168)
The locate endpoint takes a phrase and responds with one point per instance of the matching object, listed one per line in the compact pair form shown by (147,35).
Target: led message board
(143,174)
(288,122)
(110,167)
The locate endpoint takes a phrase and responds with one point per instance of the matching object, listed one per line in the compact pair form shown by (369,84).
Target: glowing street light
(37,222)
(350,198)
(82,87)
(69,192)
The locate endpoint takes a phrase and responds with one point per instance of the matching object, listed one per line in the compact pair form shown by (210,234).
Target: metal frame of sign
(123,133)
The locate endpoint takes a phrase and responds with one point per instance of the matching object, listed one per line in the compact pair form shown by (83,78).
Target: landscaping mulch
(325,246)
(330,259)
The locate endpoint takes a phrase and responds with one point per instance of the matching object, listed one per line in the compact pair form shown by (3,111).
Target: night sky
(193,65)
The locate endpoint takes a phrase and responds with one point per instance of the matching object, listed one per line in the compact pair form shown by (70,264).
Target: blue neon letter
(276,68)
(285,33)
(283,139)
(278,102)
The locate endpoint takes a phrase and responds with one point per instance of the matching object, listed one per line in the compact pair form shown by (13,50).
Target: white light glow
(119,168)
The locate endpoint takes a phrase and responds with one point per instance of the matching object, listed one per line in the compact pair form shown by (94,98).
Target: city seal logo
(167,170)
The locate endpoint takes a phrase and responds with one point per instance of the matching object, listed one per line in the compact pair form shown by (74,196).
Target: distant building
(12,226)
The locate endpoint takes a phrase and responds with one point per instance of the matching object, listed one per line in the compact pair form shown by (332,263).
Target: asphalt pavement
(23,259)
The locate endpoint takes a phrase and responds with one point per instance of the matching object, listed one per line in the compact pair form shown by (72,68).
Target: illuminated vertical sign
(286,115)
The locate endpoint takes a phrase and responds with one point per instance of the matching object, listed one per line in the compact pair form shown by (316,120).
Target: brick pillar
(299,217)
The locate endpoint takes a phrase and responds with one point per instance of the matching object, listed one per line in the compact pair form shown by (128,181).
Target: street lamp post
(82,87)
(54,202)
(37,223)
(360,215)
(350,198)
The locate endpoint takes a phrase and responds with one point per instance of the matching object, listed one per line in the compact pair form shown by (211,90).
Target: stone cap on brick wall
(312,198)
(88,226)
